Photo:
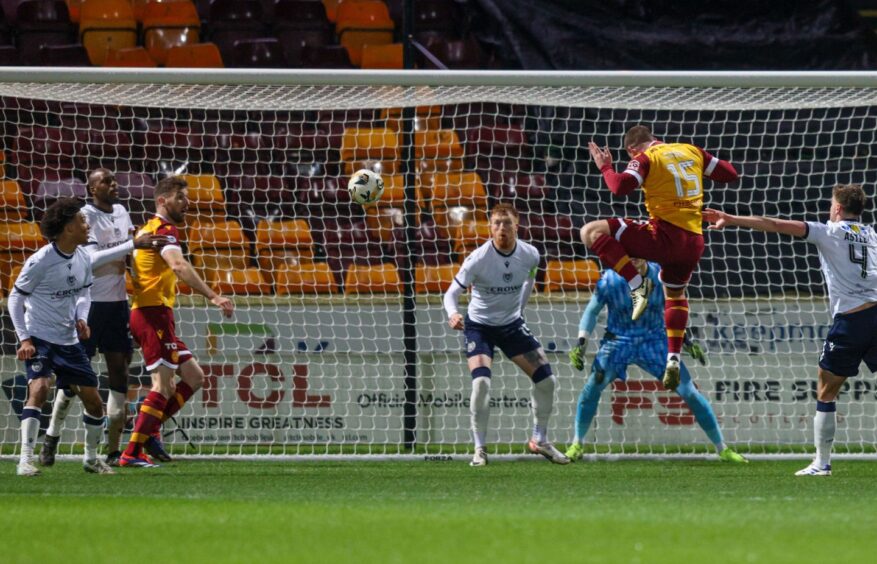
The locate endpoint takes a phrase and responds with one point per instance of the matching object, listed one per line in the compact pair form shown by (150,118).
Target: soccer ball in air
(365,187)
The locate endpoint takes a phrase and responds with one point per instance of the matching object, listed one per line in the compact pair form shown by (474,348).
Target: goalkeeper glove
(693,349)
(577,354)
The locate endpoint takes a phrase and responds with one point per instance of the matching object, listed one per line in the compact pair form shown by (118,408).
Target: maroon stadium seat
(42,22)
(73,55)
(234,20)
(8,56)
(326,57)
(295,41)
(262,53)
(299,14)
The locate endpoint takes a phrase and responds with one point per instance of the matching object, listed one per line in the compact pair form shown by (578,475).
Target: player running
(848,255)
(671,176)
(641,342)
(501,274)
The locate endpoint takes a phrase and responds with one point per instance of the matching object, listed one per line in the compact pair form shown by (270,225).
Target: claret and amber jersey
(155,284)
(671,176)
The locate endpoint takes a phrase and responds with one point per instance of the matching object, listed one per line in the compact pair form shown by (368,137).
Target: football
(365,187)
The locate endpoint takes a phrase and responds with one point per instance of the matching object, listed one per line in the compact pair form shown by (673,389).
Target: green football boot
(730,455)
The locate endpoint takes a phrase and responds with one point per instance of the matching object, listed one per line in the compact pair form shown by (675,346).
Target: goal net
(315,360)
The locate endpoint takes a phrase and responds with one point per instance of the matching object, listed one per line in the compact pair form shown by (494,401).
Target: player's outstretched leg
(148,420)
(63,401)
(596,235)
(706,418)
(824,425)
(479,413)
(544,384)
(676,319)
(586,408)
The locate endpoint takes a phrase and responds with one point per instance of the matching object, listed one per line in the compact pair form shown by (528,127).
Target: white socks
(59,412)
(94,428)
(30,429)
(543,405)
(479,409)
(824,425)
(117,412)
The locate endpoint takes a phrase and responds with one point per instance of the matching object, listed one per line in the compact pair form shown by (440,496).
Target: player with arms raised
(501,274)
(671,176)
(848,255)
(152,318)
(641,342)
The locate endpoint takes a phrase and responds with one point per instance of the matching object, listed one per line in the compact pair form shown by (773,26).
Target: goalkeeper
(642,342)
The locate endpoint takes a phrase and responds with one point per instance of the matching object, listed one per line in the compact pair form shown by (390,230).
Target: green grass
(628,511)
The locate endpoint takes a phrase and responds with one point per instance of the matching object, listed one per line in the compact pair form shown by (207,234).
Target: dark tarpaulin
(675,34)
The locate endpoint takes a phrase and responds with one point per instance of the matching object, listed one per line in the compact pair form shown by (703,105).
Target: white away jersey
(51,283)
(848,255)
(108,229)
(496,280)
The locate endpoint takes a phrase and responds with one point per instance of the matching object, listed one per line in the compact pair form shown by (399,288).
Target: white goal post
(339,345)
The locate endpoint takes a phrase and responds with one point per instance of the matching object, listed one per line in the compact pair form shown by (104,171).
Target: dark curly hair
(58,215)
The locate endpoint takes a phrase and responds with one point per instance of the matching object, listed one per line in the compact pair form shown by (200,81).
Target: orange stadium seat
(281,245)
(434,279)
(454,189)
(363,23)
(12,204)
(140,6)
(74,7)
(105,25)
(18,240)
(384,167)
(305,278)
(387,56)
(571,275)
(167,25)
(358,143)
(219,251)
(437,144)
(205,195)
(372,279)
(382,220)
(332,7)
(195,56)
(13,276)
(130,57)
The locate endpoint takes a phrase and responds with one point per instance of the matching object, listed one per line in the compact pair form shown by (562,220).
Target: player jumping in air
(848,255)
(641,342)
(671,176)
(501,274)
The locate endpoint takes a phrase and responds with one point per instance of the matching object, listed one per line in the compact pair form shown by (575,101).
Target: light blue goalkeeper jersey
(613,291)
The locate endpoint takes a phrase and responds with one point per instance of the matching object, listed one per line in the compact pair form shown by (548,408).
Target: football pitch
(636,511)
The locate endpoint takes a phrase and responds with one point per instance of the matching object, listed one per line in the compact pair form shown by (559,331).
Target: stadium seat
(372,279)
(304,278)
(18,240)
(262,53)
(497,142)
(167,25)
(571,275)
(454,189)
(437,144)
(74,8)
(435,15)
(461,54)
(13,276)
(42,22)
(369,143)
(235,20)
(361,23)
(219,250)
(384,167)
(74,55)
(434,279)
(136,191)
(331,7)
(468,235)
(298,15)
(295,41)
(325,57)
(280,244)
(196,55)
(386,56)
(105,25)
(205,196)
(13,206)
(129,57)
(51,189)
(383,220)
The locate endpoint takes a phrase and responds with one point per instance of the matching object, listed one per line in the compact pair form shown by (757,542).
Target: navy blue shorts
(512,339)
(69,363)
(851,339)
(108,322)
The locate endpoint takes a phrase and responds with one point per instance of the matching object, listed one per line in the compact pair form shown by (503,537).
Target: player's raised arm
(619,183)
(719,220)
